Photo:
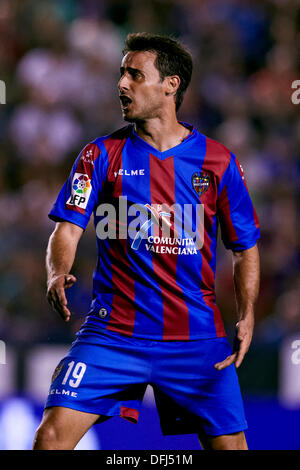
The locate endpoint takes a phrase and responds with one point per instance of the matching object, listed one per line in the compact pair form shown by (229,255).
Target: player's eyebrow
(131,70)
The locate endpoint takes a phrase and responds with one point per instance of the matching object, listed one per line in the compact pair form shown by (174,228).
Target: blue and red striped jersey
(156,217)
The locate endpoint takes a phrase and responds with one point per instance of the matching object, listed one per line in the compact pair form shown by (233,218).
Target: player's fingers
(62,304)
(60,294)
(69,280)
(227,362)
(60,307)
(239,360)
(50,299)
(241,353)
(55,304)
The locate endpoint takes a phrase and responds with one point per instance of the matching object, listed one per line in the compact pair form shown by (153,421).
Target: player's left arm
(246,276)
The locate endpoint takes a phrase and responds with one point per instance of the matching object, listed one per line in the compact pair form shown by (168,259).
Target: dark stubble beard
(143,117)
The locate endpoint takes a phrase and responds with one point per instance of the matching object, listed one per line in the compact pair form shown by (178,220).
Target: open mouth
(125,101)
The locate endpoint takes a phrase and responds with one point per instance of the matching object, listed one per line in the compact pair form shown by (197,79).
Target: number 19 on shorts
(75,372)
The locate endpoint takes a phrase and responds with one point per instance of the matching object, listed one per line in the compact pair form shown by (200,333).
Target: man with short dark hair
(158,190)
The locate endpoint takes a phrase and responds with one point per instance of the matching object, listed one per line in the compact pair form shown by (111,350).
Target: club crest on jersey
(57,371)
(200,182)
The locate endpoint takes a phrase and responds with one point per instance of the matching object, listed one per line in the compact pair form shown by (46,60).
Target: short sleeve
(79,195)
(236,213)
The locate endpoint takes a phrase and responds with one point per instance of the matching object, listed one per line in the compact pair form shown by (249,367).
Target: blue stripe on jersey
(102,277)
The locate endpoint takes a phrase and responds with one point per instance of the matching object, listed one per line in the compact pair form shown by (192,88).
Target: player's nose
(123,83)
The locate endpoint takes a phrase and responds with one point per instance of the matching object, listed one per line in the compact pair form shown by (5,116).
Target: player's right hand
(56,294)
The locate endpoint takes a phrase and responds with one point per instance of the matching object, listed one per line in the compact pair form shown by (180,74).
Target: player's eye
(136,75)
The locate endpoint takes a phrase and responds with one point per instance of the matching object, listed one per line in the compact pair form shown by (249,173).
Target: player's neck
(162,134)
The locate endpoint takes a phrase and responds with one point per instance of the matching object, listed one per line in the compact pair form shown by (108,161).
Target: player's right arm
(71,211)
(60,257)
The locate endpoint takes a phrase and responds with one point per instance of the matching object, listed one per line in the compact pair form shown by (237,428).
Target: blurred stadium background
(60,63)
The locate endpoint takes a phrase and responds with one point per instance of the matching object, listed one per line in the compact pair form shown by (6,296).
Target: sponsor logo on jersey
(159,216)
(171,242)
(173,246)
(169,225)
(200,182)
(129,172)
(81,190)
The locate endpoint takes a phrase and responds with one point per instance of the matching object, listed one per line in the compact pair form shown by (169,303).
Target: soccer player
(158,189)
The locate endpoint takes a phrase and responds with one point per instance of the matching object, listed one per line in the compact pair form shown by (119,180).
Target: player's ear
(172,84)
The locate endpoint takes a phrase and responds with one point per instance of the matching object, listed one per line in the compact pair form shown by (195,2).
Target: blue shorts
(107,374)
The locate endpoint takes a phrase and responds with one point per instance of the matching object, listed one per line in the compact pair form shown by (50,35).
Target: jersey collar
(137,140)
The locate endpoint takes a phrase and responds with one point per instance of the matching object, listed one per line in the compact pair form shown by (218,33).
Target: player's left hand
(242,341)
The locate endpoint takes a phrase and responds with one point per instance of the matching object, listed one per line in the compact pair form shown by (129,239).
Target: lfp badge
(200,182)
(80,192)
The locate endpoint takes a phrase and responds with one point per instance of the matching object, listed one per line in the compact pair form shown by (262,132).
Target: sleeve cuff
(78,220)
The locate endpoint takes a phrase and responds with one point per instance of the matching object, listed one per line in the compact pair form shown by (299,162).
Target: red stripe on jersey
(241,171)
(75,208)
(114,147)
(122,315)
(217,160)
(208,280)
(175,310)
(214,161)
(225,217)
(85,166)
(86,163)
